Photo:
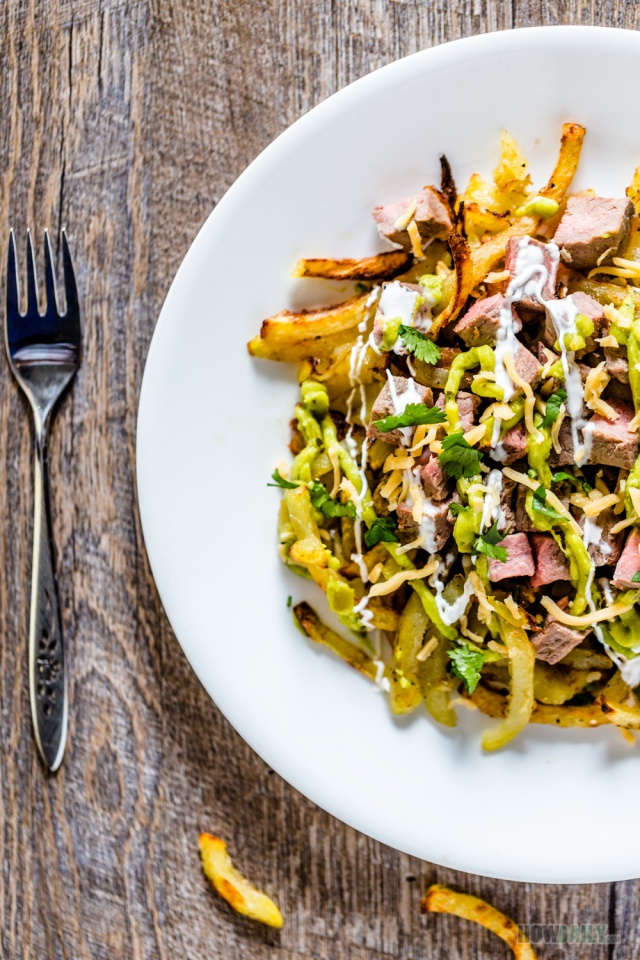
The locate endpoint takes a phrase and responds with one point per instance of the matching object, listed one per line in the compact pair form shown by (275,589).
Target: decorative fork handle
(47,673)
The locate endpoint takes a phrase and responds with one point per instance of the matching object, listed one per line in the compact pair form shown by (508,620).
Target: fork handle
(47,673)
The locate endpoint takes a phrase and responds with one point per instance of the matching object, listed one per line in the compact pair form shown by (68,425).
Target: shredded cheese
(408,215)
(555,429)
(467,632)
(510,367)
(629,264)
(394,481)
(402,576)
(551,359)
(529,408)
(499,411)
(596,506)
(622,525)
(428,649)
(476,434)
(498,648)
(587,619)
(397,463)
(597,380)
(608,341)
(375,572)
(416,242)
(485,611)
(497,276)
(614,316)
(634,424)
(634,494)
(413,545)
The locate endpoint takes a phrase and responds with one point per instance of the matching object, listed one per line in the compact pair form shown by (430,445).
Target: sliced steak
(507,519)
(436,483)
(593,228)
(555,641)
(606,551)
(529,303)
(519,562)
(527,365)
(523,521)
(565,441)
(628,564)
(442,520)
(551,563)
(589,308)
(383,407)
(514,443)
(617,363)
(431,217)
(480,323)
(613,444)
(468,404)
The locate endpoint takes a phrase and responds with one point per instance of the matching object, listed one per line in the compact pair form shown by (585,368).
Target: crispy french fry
(495,705)
(440,899)
(232,886)
(381,266)
(310,333)
(462,282)
(620,714)
(405,692)
(521,663)
(436,685)
(315,629)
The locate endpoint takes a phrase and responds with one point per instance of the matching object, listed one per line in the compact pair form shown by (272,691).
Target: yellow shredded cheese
(467,632)
(510,367)
(485,610)
(629,264)
(498,648)
(555,429)
(617,527)
(529,407)
(634,424)
(404,218)
(614,316)
(394,481)
(515,610)
(416,242)
(597,380)
(476,434)
(587,619)
(499,411)
(419,435)
(417,511)
(428,649)
(635,499)
(375,572)
(352,493)
(608,341)
(551,359)
(497,276)
(596,506)
(402,576)
(413,545)
(397,463)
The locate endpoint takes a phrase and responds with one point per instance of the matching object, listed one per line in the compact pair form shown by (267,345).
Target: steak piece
(528,302)
(431,216)
(593,228)
(613,444)
(527,365)
(617,363)
(551,563)
(519,562)
(481,322)
(628,564)
(590,308)
(507,519)
(555,641)
(606,551)
(442,521)
(383,407)
(523,521)
(436,483)
(468,404)
(514,443)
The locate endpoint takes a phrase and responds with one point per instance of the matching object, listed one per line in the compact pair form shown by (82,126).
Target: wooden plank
(127,120)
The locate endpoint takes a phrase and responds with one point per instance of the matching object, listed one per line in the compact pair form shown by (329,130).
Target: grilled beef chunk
(613,444)
(551,563)
(468,404)
(383,407)
(555,641)
(592,228)
(514,443)
(519,562)
(480,323)
(431,217)
(442,521)
(628,564)
(590,308)
(549,288)
(606,552)
(436,483)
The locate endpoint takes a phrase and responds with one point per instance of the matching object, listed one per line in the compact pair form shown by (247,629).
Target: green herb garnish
(467,665)
(487,543)
(541,505)
(636,577)
(330,508)
(281,482)
(416,343)
(579,482)
(382,530)
(414,415)
(459,458)
(552,410)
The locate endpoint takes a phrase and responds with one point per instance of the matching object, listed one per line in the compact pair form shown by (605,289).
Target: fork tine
(70,288)
(50,278)
(13,292)
(32,283)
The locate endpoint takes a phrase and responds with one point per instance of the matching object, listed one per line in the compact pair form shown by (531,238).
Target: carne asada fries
(465,487)
(232,886)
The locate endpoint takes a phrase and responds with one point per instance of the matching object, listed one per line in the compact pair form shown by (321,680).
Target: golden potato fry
(520,702)
(315,629)
(232,886)
(440,899)
(620,714)
(494,705)
(461,283)
(382,266)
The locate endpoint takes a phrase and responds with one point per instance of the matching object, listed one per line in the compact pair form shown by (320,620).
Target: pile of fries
(331,523)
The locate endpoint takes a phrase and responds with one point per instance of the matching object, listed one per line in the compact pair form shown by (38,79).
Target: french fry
(462,283)
(315,629)
(436,685)
(232,886)
(310,333)
(381,266)
(495,705)
(620,714)
(405,691)
(440,899)
(520,706)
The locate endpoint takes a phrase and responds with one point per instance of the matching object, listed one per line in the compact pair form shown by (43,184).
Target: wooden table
(126,120)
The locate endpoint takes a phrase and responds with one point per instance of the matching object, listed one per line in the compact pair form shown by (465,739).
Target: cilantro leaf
(457,508)
(541,505)
(487,543)
(382,530)
(281,482)
(289,600)
(636,577)
(330,508)
(554,403)
(459,458)
(579,482)
(467,665)
(416,343)
(414,414)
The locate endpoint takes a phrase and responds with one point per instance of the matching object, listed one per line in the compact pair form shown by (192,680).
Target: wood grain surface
(125,121)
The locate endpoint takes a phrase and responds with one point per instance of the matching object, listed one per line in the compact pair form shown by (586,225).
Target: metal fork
(44,354)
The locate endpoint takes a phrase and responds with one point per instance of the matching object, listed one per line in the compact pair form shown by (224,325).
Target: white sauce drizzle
(491,509)
(449,612)
(401,401)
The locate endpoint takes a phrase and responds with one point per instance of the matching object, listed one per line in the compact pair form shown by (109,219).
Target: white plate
(213,424)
